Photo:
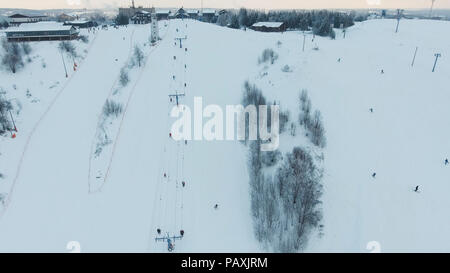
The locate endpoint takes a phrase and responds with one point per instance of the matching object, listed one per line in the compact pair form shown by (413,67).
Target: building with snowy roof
(81,23)
(269,26)
(41,31)
(17,19)
(141,17)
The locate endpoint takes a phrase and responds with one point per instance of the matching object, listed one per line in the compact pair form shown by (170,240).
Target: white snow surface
(405,140)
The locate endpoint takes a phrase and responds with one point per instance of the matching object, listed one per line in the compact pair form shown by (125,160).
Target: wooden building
(269,26)
(17,19)
(41,31)
(141,17)
(81,23)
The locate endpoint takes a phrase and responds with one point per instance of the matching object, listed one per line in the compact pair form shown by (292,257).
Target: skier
(165,175)
(382,71)
(170,246)
(374,174)
(339,60)
(417,189)
(159,231)
(170,134)
(371,110)
(182,233)
(446,161)
(183,183)
(216,206)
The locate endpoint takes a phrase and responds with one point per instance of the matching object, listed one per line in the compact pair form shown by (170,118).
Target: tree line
(318,21)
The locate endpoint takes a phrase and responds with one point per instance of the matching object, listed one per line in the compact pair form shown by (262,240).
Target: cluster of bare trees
(311,122)
(12,55)
(268,55)
(5,123)
(285,189)
(69,48)
(286,205)
(138,56)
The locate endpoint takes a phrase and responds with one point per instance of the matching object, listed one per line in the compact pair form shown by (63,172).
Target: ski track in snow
(30,136)
(404,141)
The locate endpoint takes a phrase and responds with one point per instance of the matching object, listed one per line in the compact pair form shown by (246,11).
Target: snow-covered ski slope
(405,141)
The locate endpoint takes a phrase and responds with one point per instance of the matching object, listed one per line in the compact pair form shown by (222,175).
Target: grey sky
(259,4)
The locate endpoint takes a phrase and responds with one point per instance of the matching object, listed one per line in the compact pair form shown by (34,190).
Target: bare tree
(13,56)
(138,55)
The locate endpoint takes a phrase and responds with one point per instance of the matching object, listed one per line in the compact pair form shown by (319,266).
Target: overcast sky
(258,4)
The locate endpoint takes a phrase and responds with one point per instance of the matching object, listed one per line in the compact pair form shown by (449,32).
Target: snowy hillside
(56,192)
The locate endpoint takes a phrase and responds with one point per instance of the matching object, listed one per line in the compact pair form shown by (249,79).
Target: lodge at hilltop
(41,31)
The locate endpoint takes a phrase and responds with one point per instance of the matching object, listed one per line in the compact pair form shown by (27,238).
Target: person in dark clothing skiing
(416,189)
(159,231)
(183,183)
(374,175)
(216,206)
(182,233)
(371,110)
(446,161)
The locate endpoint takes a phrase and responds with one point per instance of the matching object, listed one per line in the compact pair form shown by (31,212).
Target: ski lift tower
(154,27)
(170,241)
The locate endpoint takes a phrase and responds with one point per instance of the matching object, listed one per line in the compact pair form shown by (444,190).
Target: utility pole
(437,55)
(431,8)
(64,63)
(399,16)
(12,119)
(304,40)
(414,58)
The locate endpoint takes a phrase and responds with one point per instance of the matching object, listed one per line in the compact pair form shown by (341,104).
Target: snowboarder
(182,233)
(216,206)
(183,183)
(446,161)
(374,174)
(159,231)
(417,189)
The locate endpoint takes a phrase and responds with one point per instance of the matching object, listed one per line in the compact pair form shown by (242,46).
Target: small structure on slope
(269,26)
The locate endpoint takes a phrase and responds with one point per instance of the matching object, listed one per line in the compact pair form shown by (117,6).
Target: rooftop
(268,24)
(40,26)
